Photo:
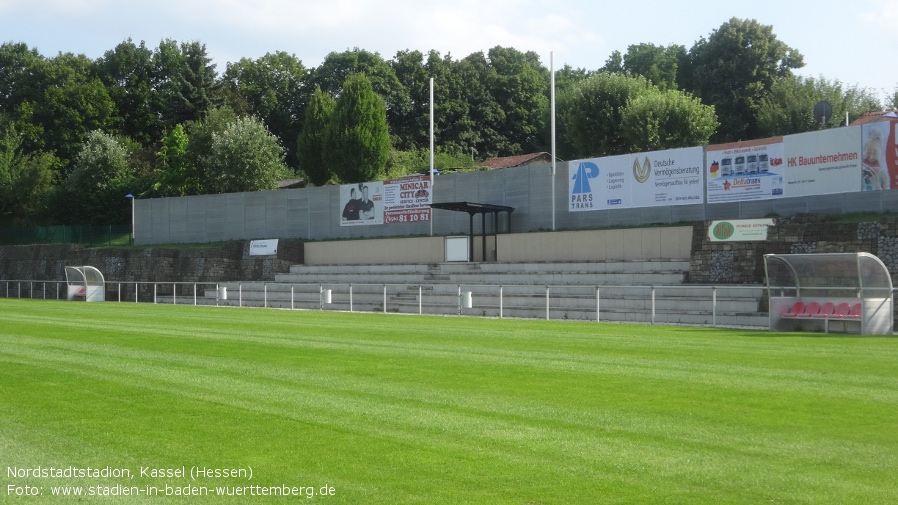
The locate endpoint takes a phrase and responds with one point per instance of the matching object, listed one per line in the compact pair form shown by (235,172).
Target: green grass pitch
(128,403)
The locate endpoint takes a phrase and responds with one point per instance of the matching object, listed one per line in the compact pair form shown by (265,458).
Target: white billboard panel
(671,177)
(363,204)
(824,162)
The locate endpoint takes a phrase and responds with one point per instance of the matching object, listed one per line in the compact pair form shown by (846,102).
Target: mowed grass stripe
(397,409)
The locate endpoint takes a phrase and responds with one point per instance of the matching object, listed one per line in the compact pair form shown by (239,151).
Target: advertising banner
(363,204)
(879,168)
(407,200)
(263,247)
(745,171)
(824,162)
(670,177)
(739,230)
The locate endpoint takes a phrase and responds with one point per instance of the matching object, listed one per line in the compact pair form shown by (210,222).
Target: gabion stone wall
(743,262)
(152,264)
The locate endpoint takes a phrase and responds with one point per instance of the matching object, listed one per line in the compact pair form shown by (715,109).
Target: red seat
(827,310)
(812,310)
(796,310)
(855,311)
(842,310)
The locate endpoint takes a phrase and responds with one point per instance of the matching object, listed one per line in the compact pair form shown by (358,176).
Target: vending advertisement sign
(744,171)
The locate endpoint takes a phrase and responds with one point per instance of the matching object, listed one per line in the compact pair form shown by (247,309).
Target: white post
(552,121)
(431,154)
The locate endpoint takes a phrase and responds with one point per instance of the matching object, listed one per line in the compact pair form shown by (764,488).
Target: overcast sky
(848,41)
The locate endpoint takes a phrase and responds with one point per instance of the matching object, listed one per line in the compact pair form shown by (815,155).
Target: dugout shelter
(846,292)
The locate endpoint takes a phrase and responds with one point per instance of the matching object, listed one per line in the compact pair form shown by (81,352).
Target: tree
(310,146)
(26,180)
(177,176)
(657,64)
(788,108)
(245,157)
(100,176)
(668,119)
(412,129)
(336,68)
(592,114)
(357,141)
(733,70)
(271,87)
(520,86)
(128,74)
(74,103)
(187,83)
(199,147)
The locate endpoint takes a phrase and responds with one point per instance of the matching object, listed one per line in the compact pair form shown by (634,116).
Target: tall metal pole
(431,154)
(552,113)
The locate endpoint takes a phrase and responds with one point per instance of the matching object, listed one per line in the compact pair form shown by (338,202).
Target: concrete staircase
(630,291)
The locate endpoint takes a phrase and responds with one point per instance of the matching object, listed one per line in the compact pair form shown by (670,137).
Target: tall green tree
(668,119)
(412,129)
(127,71)
(310,146)
(176,175)
(272,88)
(74,103)
(733,70)
(592,114)
(99,179)
(336,68)
(26,180)
(187,82)
(789,106)
(357,142)
(520,85)
(245,157)
(656,63)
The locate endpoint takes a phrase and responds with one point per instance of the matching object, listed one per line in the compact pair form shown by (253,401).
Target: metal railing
(689,304)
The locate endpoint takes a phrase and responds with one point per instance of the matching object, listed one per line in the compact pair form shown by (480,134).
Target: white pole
(552,114)
(431,154)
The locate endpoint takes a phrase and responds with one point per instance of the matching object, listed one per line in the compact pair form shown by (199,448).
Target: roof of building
(873,117)
(518,161)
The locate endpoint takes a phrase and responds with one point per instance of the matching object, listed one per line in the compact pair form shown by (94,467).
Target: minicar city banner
(405,200)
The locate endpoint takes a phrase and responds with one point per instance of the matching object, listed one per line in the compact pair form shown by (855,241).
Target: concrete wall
(590,245)
(314,213)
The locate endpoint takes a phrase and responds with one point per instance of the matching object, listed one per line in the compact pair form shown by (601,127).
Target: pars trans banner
(671,177)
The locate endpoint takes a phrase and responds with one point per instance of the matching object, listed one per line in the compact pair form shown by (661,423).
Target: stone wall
(228,262)
(743,262)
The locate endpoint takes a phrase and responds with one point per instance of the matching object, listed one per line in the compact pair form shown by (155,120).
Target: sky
(840,40)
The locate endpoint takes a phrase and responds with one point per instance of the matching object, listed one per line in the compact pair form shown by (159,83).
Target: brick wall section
(743,262)
(208,264)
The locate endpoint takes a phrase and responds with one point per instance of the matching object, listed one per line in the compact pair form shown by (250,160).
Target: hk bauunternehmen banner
(824,162)
(745,171)
(670,177)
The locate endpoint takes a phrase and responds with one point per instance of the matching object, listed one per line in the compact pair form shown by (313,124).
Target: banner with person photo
(879,166)
(362,203)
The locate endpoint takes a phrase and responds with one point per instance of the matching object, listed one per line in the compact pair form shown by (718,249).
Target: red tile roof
(517,161)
